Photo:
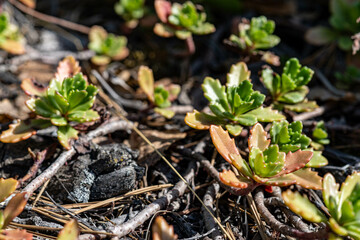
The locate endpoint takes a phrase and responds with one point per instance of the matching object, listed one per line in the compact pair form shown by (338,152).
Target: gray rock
(114,183)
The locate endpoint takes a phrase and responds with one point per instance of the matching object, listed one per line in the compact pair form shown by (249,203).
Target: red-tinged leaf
(14,208)
(163,10)
(161,230)
(122,54)
(295,161)
(29,3)
(70,231)
(163,30)
(258,138)
(282,181)
(268,189)
(68,67)
(224,144)
(146,81)
(32,88)
(15,234)
(7,187)
(17,132)
(307,178)
(229,178)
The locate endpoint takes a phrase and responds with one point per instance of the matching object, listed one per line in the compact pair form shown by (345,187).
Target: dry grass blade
(256,214)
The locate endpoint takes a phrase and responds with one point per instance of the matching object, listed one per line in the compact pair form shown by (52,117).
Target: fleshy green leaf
(303,207)
(234,130)
(265,114)
(59,121)
(165,112)
(238,73)
(317,160)
(84,116)
(146,81)
(214,92)
(202,121)
(258,138)
(307,178)
(305,106)
(66,134)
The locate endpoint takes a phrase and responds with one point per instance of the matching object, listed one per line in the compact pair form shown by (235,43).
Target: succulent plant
(289,137)
(180,20)
(130,10)
(107,46)
(289,90)
(343,206)
(68,99)
(234,105)
(11,39)
(319,136)
(256,34)
(266,165)
(12,210)
(159,96)
(343,21)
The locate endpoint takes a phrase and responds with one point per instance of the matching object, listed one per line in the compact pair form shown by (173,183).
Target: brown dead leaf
(161,230)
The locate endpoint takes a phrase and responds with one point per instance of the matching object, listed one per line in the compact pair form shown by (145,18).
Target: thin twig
(61,160)
(51,19)
(208,200)
(179,189)
(283,228)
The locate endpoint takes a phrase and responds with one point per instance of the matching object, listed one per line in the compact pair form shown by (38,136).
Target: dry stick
(283,228)
(208,200)
(61,160)
(179,189)
(51,19)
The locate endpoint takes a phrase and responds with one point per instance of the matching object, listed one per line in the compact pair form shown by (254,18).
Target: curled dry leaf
(14,208)
(32,88)
(68,67)
(7,187)
(223,143)
(70,231)
(161,230)
(258,138)
(15,234)
(146,81)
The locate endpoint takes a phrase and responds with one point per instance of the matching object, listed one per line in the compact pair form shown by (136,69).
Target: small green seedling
(159,96)
(234,105)
(319,136)
(289,89)
(181,20)
(66,101)
(130,10)
(13,209)
(107,46)
(256,36)
(70,231)
(343,21)
(289,137)
(267,165)
(343,206)
(11,39)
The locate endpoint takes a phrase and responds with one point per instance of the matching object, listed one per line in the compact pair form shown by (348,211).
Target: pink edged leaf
(70,231)
(161,230)
(146,81)
(224,144)
(14,208)
(163,10)
(7,187)
(201,121)
(258,138)
(229,178)
(122,54)
(295,161)
(163,30)
(307,178)
(15,234)
(32,88)
(68,67)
